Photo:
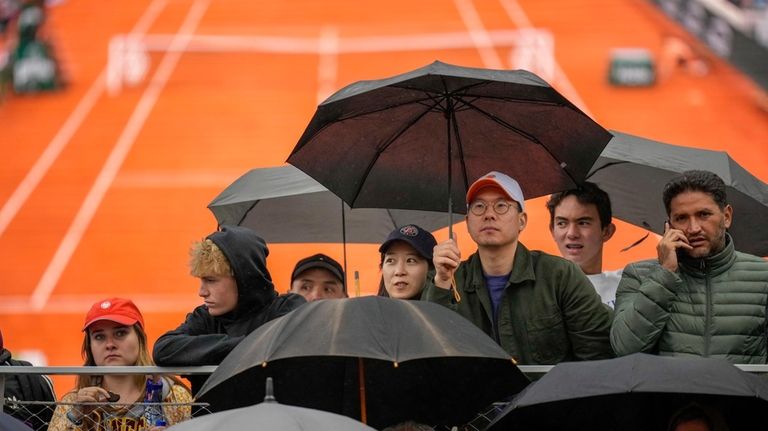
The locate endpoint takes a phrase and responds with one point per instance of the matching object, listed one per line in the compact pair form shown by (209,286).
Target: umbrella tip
(269,396)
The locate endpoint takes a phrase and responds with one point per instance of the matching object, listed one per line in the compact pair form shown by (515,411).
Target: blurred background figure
(27,60)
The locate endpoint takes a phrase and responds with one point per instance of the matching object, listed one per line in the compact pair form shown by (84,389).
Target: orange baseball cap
(119,310)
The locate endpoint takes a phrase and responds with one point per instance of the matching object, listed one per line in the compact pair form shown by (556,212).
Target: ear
(523,218)
(728,215)
(608,231)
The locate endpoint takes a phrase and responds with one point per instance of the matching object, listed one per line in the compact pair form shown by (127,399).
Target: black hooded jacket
(205,340)
(27,387)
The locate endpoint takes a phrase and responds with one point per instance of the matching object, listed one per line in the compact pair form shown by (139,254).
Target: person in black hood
(21,388)
(238,297)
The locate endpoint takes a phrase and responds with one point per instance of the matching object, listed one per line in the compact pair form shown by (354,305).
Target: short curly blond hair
(206,259)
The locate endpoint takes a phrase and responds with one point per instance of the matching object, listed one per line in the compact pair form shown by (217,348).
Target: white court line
(68,129)
(327,68)
(478,33)
(112,165)
(521,20)
(347,45)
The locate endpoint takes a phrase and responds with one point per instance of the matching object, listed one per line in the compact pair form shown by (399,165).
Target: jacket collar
(712,265)
(522,269)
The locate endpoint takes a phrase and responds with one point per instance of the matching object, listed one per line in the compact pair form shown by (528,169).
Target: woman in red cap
(114,336)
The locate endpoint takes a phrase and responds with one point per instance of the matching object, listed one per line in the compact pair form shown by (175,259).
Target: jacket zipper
(708,308)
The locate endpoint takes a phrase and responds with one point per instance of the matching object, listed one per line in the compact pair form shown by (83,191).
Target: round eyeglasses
(478,208)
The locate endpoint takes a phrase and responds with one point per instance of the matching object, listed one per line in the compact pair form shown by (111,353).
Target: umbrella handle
(361,376)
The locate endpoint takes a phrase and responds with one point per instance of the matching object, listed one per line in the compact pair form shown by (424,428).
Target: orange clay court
(103,191)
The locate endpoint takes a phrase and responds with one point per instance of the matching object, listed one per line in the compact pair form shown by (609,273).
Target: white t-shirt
(605,284)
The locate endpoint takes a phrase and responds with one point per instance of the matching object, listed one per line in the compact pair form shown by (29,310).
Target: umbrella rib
(429,96)
(242,219)
(460,148)
(386,145)
(391,218)
(515,100)
(386,108)
(603,167)
(522,133)
(501,122)
(461,90)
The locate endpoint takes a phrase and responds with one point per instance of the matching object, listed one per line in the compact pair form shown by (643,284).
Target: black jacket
(27,387)
(205,340)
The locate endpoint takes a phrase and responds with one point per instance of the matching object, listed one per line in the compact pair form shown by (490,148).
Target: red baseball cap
(119,310)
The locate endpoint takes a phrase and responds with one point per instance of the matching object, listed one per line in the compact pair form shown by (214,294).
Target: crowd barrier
(481,421)
(36,408)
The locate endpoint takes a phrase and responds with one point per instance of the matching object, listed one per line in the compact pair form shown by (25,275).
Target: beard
(715,243)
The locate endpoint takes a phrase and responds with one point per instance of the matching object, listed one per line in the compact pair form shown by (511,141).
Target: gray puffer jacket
(712,307)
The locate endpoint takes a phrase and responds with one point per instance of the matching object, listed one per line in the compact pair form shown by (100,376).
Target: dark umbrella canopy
(285,205)
(634,170)
(416,361)
(402,142)
(635,392)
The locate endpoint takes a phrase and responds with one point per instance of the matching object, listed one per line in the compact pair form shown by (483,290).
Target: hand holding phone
(673,242)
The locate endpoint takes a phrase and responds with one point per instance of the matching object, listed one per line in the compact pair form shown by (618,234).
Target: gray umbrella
(634,170)
(285,205)
(270,415)
(10,423)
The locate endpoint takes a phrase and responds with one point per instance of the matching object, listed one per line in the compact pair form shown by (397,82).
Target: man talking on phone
(700,297)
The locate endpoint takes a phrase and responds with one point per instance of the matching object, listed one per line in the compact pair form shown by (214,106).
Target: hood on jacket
(247,255)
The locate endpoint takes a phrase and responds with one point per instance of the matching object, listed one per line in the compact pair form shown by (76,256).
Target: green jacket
(549,312)
(713,307)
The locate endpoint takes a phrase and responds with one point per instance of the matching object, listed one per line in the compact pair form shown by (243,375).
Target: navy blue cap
(420,239)
(319,261)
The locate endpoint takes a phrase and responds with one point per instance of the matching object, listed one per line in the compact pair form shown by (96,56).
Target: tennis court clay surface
(103,189)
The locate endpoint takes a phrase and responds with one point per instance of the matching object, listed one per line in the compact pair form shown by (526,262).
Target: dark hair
(691,412)
(383,290)
(587,193)
(700,181)
(409,426)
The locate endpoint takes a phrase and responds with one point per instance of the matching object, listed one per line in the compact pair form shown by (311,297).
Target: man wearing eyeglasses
(540,308)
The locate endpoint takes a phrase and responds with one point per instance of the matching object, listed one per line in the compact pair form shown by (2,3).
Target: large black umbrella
(285,205)
(273,416)
(636,392)
(634,170)
(417,140)
(380,360)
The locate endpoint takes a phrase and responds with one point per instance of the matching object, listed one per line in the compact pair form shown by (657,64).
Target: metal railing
(37,413)
(482,420)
